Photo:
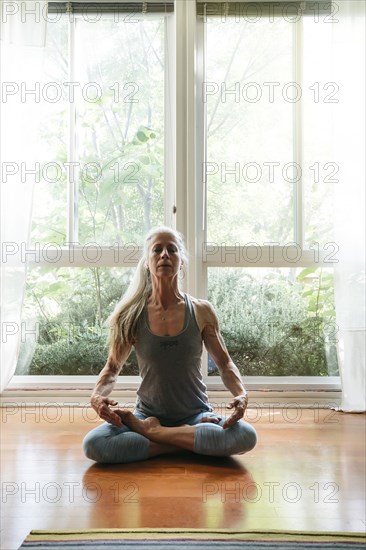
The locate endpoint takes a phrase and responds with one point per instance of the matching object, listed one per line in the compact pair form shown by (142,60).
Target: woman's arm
(228,370)
(105,384)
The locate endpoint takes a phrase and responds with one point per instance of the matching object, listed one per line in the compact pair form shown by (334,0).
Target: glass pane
(250,174)
(63,327)
(276,322)
(320,169)
(50,195)
(120,128)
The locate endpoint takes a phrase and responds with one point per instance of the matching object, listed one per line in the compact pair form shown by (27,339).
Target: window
(267,178)
(101,182)
(242,114)
(102,175)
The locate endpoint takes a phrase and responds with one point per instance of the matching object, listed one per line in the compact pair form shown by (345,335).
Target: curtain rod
(139,6)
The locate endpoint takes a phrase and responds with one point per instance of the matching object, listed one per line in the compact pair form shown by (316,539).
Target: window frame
(185,195)
(214,259)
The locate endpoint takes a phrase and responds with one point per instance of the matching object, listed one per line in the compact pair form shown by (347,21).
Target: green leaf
(307,293)
(141,136)
(144,160)
(305,272)
(313,304)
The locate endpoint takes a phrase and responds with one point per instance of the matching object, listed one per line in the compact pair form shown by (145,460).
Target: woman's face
(164,259)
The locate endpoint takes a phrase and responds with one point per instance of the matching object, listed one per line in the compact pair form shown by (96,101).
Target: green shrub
(272,326)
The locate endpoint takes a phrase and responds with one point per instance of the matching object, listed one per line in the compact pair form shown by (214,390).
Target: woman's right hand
(101,405)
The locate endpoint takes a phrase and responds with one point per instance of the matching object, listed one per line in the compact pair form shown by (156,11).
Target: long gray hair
(123,321)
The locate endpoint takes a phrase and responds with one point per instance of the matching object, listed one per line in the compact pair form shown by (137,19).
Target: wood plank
(304,474)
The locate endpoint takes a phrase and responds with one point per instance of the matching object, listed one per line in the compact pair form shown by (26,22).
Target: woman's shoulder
(204,310)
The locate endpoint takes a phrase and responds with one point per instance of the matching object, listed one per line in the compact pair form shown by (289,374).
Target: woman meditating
(167,328)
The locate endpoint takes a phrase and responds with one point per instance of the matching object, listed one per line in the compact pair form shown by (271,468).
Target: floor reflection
(181,491)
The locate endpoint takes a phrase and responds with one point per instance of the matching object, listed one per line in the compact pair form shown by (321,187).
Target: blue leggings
(110,444)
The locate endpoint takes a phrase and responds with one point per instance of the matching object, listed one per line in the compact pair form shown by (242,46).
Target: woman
(166,327)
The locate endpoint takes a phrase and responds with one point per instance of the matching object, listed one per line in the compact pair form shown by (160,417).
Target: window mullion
(269,256)
(185,26)
(298,135)
(201,157)
(72,226)
(181,114)
(170,201)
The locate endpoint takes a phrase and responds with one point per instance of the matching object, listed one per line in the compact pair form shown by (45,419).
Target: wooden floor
(306,473)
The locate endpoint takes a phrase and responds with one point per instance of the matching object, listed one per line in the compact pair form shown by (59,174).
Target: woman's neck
(164,294)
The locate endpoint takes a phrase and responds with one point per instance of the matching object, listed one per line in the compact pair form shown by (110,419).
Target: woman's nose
(164,253)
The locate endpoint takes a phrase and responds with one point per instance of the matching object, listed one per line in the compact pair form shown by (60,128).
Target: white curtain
(349,150)
(24,22)
(23,31)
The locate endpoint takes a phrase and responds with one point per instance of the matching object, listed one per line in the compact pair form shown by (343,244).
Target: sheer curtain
(349,150)
(23,31)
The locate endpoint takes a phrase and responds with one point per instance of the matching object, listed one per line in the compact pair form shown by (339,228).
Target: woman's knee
(214,440)
(93,446)
(99,444)
(116,448)
(246,439)
(239,438)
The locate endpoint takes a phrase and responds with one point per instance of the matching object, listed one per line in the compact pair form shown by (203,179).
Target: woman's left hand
(239,404)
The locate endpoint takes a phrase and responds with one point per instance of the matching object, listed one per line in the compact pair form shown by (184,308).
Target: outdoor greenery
(277,323)
(272,324)
(68,308)
(274,321)
(251,173)
(119,125)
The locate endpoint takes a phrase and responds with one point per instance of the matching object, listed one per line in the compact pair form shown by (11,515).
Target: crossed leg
(171,438)
(140,438)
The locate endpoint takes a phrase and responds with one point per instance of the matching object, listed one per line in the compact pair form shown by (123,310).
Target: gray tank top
(172,387)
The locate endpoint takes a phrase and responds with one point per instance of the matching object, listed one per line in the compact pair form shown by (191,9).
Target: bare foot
(143,427)
(212,419)
(179,436)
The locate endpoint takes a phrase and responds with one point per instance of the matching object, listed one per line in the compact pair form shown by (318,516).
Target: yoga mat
(190,539)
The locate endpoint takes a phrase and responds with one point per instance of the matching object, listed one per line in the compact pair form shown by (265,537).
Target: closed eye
(170,250)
